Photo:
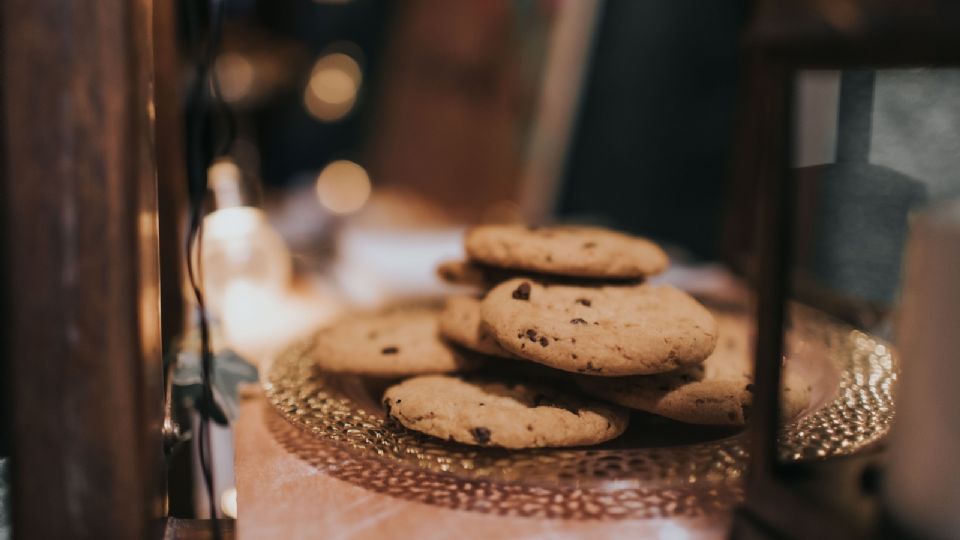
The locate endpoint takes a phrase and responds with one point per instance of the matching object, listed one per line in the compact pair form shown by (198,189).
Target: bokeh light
(332,90)
(228,502)
(225,179)
(343,187)
(236,76)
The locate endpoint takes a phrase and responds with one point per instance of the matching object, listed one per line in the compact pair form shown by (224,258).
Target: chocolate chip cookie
(719,392)
(394,343)
(612,330)
(588,252)
(460,323)
(500,412)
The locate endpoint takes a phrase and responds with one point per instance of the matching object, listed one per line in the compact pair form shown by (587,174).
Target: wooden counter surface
(282,496)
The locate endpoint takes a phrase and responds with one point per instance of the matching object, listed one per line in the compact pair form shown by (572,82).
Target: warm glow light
(343,187)
(228,502)
(333,85)
(258,319)
(332,90)
(224,178)
(239,244)
(238,241)
(232,223)
(235,74)
(223,171)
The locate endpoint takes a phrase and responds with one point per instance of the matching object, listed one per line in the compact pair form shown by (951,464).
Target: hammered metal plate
(658,468)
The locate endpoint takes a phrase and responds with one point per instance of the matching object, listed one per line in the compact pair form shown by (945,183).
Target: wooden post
(80,288)
(171,173)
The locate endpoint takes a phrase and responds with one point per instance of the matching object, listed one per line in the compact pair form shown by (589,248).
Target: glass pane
(878,246)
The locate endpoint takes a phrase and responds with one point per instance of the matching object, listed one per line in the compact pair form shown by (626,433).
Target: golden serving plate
(658,468)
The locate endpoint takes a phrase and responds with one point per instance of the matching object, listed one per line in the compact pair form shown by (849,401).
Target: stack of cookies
(562,313)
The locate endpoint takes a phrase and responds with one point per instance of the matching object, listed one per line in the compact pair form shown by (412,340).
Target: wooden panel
(81,285)
(448,115)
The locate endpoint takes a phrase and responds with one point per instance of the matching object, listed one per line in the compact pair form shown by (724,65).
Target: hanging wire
(205,109)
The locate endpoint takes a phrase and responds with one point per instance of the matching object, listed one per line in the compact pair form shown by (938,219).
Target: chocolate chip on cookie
(481,435)
(522,292)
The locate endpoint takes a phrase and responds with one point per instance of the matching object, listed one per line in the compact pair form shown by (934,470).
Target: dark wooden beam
(171,173)
(774,260)
(81,284)
(843,34)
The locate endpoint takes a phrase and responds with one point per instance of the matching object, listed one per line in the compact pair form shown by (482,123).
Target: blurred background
(473,111)
(370,133)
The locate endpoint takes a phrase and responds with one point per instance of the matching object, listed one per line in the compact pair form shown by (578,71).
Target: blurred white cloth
(258,321)
(923,479)
(376,266)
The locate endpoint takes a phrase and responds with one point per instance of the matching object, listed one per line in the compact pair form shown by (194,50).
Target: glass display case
(851,142)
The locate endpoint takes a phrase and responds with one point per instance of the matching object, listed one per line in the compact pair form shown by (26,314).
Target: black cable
(200,142)
(226,115)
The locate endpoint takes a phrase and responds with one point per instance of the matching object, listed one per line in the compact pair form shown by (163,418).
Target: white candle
(923,482)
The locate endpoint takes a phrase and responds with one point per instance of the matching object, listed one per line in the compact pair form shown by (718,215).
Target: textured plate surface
(659,468)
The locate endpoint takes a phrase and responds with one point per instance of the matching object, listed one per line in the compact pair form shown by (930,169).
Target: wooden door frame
(80,285)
